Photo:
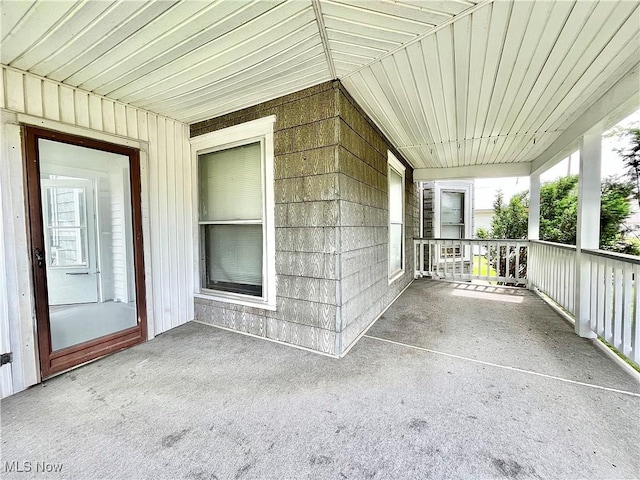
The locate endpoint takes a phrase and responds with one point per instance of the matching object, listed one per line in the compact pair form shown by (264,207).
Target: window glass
(230,212)
(234,258)
(396,212)
(452,207)
(231,184)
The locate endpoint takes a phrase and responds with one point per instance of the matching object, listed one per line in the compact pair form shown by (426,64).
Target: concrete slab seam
(506,367)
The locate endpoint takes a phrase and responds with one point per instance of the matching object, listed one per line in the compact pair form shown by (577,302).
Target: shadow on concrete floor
(444,385)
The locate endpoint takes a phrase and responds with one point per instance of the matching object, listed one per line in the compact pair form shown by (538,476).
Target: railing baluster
(635,331)
(627,306)
(593,297)
(608,301)
(516,272)
(616,333)
(572,280)
(601,297)
(556,280)
(487,254)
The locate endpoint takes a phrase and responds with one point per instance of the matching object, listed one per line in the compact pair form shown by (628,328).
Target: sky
(486,188)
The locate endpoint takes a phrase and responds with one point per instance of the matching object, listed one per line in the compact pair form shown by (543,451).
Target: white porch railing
(501,261)
(613,306)
(552,269)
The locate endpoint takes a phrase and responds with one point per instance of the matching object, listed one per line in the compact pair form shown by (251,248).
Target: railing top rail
(554,244)
(621,257)
(477,240)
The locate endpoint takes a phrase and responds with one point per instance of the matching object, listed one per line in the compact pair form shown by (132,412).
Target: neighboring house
(482,219)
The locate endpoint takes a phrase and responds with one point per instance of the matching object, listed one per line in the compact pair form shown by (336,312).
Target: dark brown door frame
(55,362)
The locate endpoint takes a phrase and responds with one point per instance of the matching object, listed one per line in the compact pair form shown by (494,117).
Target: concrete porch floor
(454,381)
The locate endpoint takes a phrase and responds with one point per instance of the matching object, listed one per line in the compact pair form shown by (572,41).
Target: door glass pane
(86,203)
(233,258)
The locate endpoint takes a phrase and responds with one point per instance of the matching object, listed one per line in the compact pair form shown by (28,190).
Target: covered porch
(455,380)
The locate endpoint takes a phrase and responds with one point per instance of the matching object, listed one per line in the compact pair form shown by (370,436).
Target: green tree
(559,210)
(559,213)
(631,157)
(558,218)
(510,220)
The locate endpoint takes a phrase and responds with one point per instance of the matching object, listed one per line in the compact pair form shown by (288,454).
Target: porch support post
(588,228)
(534,207)
(534,228)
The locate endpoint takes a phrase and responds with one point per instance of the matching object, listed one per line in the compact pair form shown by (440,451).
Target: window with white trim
(453,215)
(396,172)
(236,235)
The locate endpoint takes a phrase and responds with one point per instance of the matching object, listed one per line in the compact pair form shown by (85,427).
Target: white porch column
(534,228)
(534,207)
(588,229)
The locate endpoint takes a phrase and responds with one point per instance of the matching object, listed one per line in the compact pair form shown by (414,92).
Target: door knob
(39,257)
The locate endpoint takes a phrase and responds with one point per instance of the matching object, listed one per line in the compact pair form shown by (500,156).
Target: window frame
(398,167)
(260,130)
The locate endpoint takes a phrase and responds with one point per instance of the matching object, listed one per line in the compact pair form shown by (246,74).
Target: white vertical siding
(166,193)
(6,380)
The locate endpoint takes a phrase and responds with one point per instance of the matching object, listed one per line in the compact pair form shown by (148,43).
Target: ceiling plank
(63,33)
(536,61)
(480,23)
(275,89)
(12,16)
(301,56)
(622,95)
(461,44)
(36,24)
(139,44)
(595,33)
(369,41)
(317,10)
(101,38)
(228,66)
(424,35)
(240,46)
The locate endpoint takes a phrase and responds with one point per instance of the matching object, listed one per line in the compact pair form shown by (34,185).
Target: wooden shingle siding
(364,288)
(331,221)
(306,195)
(428,209)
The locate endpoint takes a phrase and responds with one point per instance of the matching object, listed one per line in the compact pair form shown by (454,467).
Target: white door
(70,245)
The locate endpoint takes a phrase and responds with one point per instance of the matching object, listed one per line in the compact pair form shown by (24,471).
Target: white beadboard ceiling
(452,83)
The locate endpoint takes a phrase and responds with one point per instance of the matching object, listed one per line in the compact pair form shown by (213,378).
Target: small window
(396,218)
(231,219)
(235,214)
